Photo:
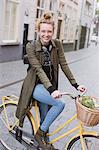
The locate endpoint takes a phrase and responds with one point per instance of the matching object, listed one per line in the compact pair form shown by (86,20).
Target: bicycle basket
(89,117)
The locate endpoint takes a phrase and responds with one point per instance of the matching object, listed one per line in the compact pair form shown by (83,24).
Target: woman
(41,82)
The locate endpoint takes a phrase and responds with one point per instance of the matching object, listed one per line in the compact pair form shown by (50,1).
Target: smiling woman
(46,29)
(41,82)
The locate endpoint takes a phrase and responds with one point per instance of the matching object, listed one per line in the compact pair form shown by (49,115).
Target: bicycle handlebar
(68,94)
(73,97)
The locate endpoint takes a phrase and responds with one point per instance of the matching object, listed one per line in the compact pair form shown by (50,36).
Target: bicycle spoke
(10,121)
(9,118)
(91,143)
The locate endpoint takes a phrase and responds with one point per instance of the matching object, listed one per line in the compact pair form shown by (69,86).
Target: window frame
(15,40)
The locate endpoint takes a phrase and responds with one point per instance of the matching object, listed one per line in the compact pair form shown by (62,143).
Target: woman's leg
(42,95)
(43,108)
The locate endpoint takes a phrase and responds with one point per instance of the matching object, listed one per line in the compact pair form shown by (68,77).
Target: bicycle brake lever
(83,93)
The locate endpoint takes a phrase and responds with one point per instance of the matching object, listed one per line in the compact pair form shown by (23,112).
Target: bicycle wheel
(3,145)
(91,142)
(8,118)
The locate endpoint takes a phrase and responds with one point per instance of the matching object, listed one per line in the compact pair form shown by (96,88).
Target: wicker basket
(90,117)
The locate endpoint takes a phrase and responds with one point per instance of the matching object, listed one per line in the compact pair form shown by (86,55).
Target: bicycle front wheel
(91,143)
(9,120)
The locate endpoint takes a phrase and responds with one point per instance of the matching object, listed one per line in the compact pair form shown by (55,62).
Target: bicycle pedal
(39,148)
(18,135)
(34,142)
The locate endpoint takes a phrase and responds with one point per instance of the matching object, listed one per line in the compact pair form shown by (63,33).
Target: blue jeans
(41,94)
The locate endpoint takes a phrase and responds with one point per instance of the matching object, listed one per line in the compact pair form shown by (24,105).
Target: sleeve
(64,66)
(35,64)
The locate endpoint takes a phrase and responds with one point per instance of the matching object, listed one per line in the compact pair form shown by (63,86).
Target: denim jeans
(41,94)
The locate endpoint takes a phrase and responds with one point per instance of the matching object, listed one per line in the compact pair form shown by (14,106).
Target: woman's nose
(46,33)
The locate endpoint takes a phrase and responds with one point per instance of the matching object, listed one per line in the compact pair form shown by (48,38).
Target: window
(76,2)
(61,9)
(39,13)
(10,21)
(52,5)
(40,8)
(38,3)
(88,9)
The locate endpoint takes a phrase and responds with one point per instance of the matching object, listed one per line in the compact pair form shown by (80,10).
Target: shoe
(48,140)
(40,138)
(53,148)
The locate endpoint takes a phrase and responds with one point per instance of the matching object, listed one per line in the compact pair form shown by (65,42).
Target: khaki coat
(35,57)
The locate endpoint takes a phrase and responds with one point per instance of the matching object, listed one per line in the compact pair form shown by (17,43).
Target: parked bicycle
(83,139)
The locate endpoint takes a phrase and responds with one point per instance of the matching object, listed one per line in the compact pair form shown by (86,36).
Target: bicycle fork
(81,137)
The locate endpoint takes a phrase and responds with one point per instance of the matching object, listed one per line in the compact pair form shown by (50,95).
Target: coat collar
(39,46)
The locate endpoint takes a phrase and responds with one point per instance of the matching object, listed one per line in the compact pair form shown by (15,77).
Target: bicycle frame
(79,128)
(36,123)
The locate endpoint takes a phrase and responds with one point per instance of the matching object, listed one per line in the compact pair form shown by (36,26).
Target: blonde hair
(46,18)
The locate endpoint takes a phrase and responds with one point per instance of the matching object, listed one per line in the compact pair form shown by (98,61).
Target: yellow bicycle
(82,139)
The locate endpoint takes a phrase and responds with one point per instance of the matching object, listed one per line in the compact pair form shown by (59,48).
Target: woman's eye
(43,31)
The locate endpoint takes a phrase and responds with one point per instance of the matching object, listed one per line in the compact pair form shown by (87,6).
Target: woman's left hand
(56,94)
(82,88)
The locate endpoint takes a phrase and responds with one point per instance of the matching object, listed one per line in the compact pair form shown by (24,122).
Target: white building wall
(1,14)
(20,23)
(72,18)
(85,18)
(11,33)
(72,13)
(31,20)
(92,23)
(29,17)
(30,8)
(87,15)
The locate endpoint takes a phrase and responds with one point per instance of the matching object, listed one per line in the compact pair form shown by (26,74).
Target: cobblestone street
(85,67)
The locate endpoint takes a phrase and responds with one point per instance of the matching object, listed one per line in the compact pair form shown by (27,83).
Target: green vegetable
(88,102)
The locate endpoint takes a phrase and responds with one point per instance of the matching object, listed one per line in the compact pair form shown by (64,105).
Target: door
(83,37)
(59,29)
(25,37)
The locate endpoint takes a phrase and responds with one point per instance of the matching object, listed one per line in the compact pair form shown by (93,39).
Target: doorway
(83,37)
(25,38)
(59,29)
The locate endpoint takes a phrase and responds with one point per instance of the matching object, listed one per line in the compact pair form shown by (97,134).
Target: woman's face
(45,33)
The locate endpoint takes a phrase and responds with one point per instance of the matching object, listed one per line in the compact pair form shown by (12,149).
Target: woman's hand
(56,94)
(81,88)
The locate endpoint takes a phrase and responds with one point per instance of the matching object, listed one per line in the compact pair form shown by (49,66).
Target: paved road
(85,67)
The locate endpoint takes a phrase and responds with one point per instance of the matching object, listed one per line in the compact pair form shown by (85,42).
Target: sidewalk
(15,70)
(85,67)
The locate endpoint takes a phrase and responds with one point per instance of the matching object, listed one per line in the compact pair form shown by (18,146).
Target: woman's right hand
(56,94)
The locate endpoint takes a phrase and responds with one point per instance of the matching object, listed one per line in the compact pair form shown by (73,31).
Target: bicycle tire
(27,126)
(5,146)
(92,145)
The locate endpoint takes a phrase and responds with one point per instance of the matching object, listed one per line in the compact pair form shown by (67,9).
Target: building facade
(19,24)
(87,9)
(11,29)
(94,35)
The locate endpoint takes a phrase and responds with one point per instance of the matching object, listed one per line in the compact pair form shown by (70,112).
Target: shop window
(10,21)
